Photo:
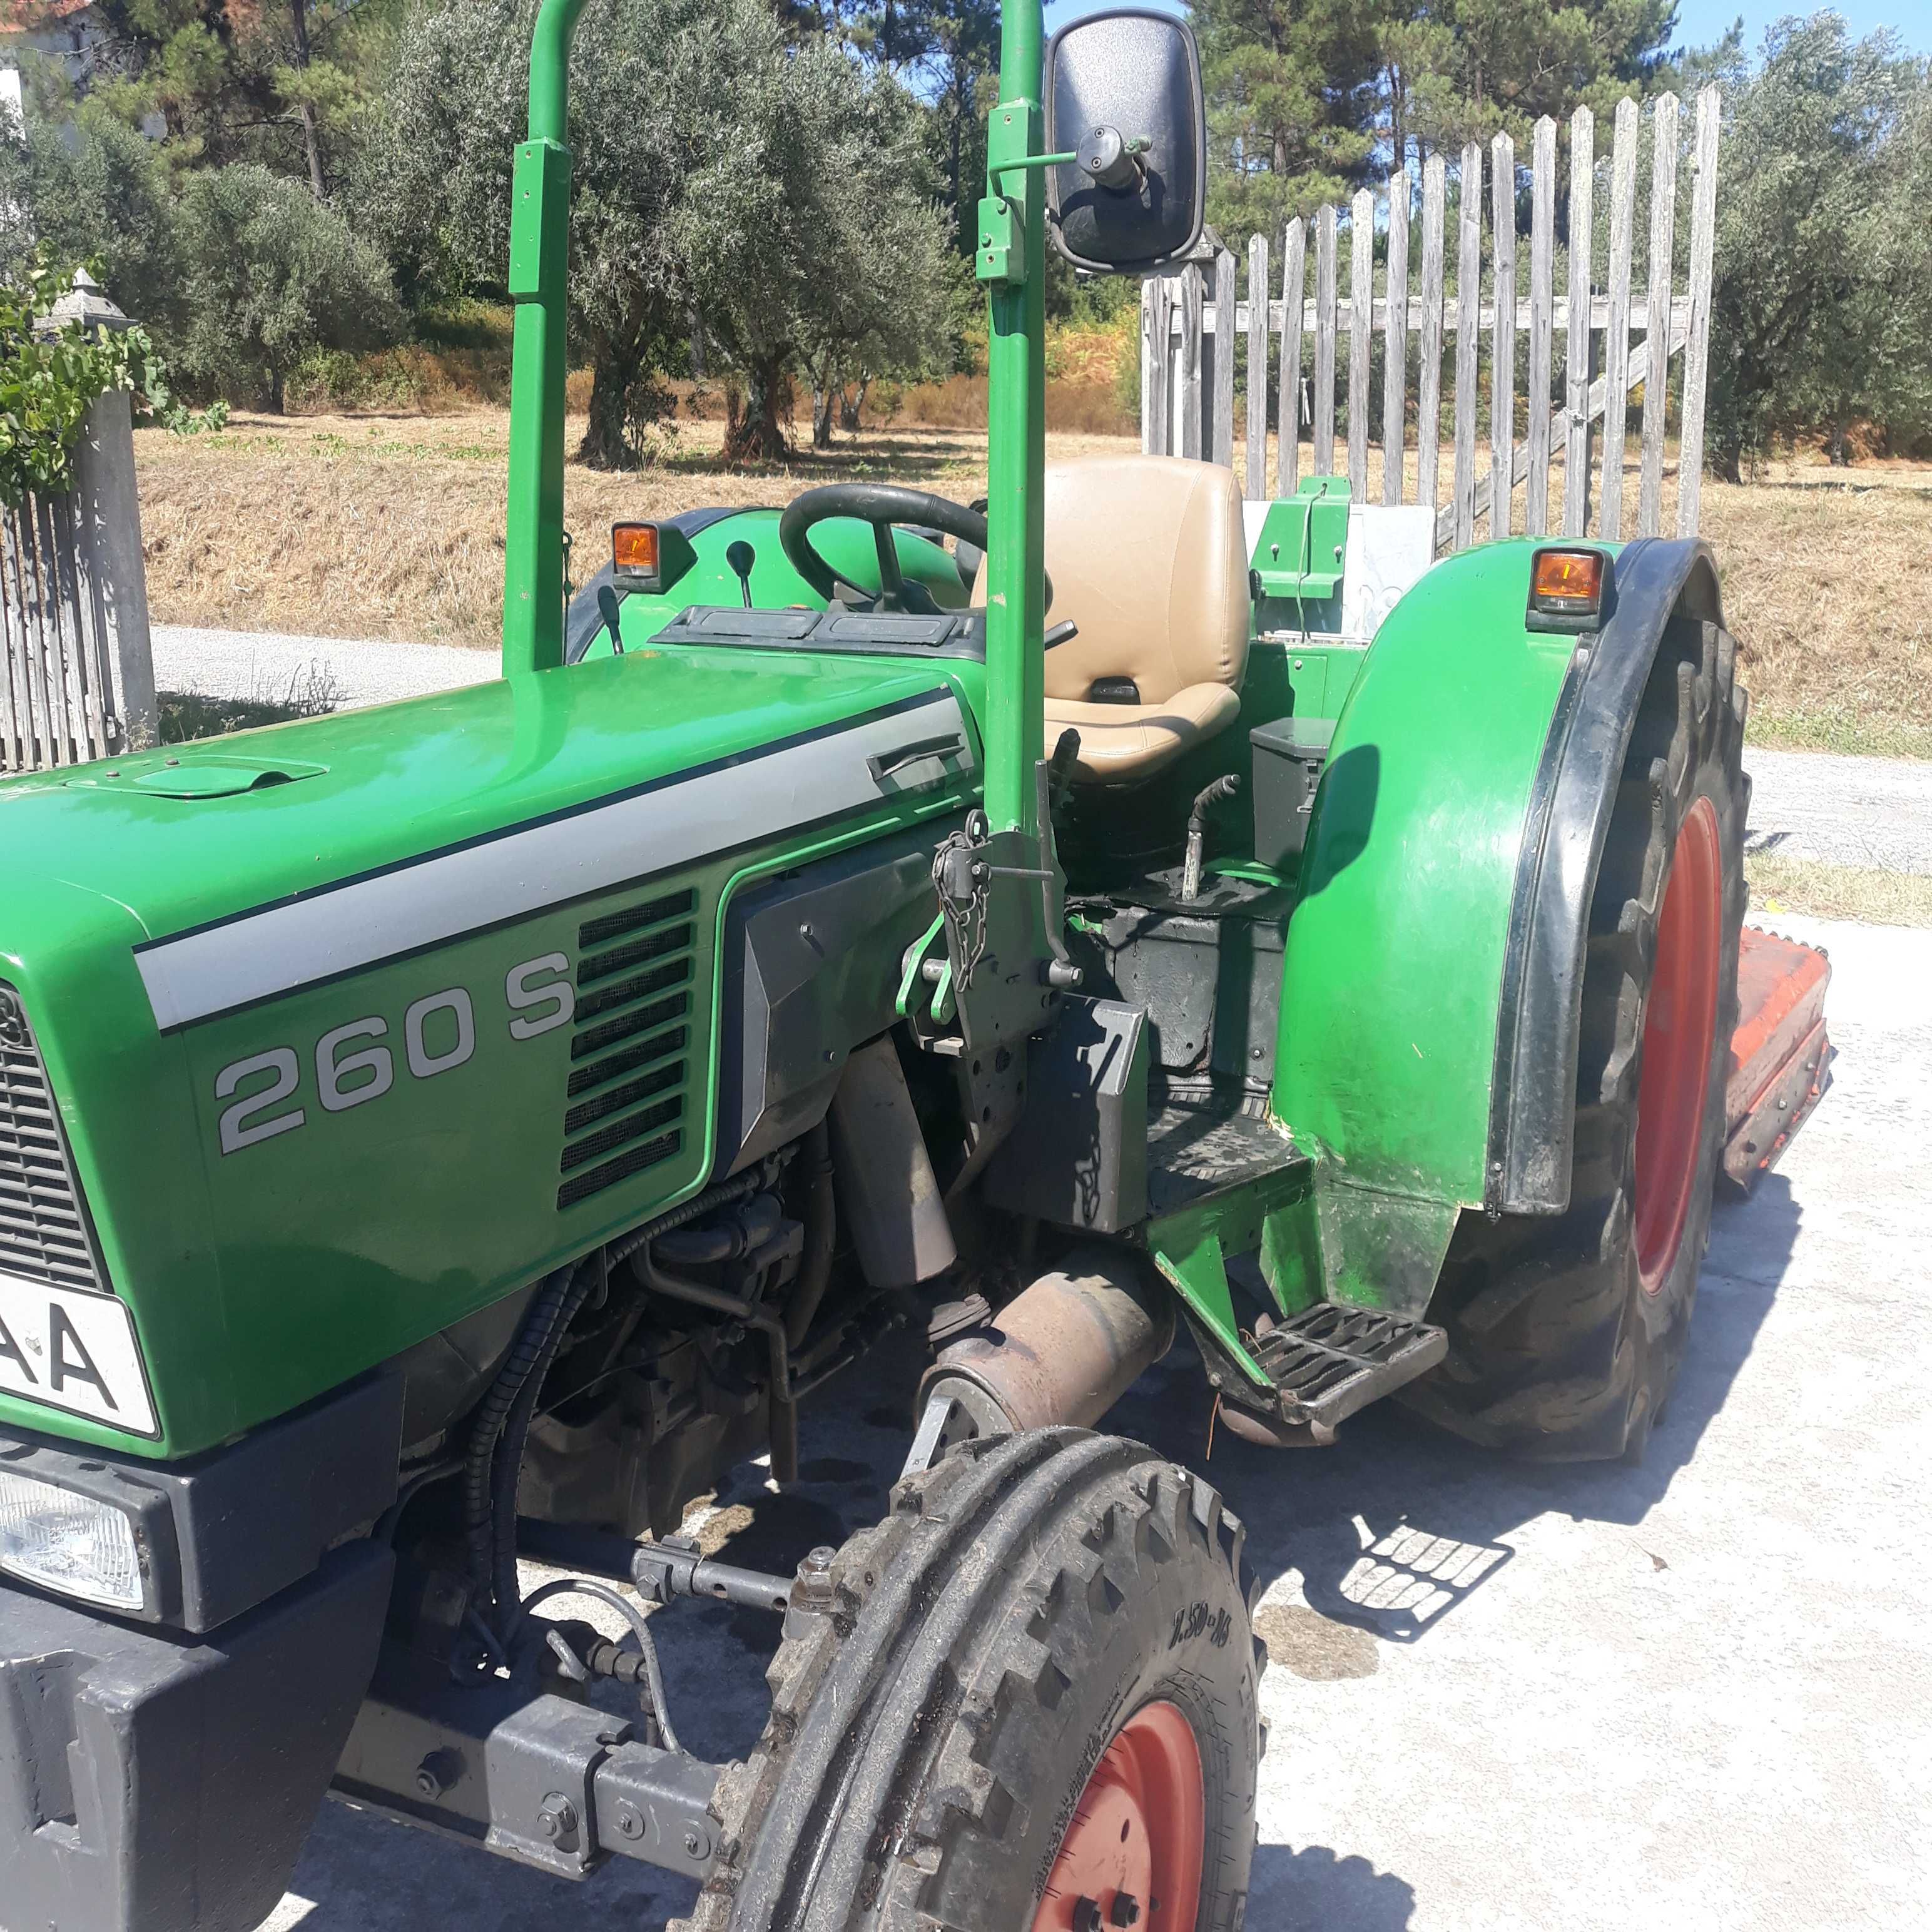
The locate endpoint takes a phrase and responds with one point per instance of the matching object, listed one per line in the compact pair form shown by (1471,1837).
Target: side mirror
(1123,93)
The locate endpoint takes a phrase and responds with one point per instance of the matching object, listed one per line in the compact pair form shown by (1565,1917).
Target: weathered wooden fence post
(111,580)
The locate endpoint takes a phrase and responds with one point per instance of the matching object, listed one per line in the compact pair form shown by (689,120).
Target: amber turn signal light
(1566,584)
(634,549)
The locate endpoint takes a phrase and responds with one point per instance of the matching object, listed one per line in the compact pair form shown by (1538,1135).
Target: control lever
(740,556)
(1064,632)
(607,609)
(1059,767)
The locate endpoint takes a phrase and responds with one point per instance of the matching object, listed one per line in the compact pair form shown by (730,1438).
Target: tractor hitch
(534,1775)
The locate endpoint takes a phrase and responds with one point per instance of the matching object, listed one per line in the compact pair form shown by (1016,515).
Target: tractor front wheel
(1026,1702)
(1566,1332)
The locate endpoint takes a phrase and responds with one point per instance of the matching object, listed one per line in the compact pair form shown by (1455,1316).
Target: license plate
(73,1351)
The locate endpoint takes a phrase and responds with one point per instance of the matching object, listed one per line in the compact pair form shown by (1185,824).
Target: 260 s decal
(356,1063)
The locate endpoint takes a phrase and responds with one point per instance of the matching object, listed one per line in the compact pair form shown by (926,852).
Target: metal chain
(965,913)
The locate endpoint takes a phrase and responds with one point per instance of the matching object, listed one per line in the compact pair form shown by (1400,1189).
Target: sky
(1699,22)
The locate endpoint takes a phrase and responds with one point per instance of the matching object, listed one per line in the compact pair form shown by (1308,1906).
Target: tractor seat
(1147,557)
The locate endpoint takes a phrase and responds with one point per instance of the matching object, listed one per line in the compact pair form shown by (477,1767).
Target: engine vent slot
(44,1231)
(630,1063)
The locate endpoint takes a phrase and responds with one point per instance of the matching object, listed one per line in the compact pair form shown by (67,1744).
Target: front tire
(1567,1332)
(1048,1634)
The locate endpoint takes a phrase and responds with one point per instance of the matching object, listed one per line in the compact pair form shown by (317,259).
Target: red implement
(1780,1058)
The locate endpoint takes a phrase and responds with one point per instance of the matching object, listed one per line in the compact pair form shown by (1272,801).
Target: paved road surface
(1692,1695)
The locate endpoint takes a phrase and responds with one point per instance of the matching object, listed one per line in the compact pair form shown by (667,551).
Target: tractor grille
(630,1062)
(43,1231)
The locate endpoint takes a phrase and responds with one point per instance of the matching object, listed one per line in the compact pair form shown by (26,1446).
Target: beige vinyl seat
(1147,556)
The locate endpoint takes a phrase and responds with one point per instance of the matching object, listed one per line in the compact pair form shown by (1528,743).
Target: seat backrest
(1147,556)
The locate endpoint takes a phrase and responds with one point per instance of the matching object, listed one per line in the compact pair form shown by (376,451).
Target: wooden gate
(76,664)
(57,704)
(1588,351)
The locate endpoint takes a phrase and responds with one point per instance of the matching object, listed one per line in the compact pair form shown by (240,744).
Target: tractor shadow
(1318,1889)
(1399,1523)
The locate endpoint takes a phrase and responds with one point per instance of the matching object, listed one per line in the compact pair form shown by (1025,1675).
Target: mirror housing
(1123,92)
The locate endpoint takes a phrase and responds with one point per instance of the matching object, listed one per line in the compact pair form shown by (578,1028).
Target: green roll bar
(1011,260)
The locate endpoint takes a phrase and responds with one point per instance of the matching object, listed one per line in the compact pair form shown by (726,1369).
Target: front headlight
(69,1544)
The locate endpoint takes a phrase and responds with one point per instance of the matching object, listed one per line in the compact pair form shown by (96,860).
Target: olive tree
(810,238)
(718,177)
(1822,314)
(269,273)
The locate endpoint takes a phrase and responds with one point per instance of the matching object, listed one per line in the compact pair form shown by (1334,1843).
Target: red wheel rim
(1679,1024)
(1132,1855)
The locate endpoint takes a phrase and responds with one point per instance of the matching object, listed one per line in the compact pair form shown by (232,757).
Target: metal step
(1331,1359)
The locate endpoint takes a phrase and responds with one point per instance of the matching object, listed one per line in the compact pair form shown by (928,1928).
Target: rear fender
(1532,1116)
(1432,971)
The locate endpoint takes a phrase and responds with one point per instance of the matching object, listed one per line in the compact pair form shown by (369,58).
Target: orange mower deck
(1780,1056)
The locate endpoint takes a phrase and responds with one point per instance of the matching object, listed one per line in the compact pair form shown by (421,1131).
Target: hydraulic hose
(494,1457)
(1197,831)
(533,1347)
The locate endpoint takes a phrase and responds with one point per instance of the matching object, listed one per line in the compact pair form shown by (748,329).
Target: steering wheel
(881,505)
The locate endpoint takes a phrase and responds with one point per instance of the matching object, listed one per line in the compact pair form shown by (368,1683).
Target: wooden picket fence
(76,659)
(57,703)
(1581,366)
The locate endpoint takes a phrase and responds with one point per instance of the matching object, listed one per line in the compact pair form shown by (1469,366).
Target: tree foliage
(1309,98)
(769,198)
(52,371)
(268,274)
(1823,315)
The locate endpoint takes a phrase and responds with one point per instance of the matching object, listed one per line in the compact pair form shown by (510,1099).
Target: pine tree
(1292,91)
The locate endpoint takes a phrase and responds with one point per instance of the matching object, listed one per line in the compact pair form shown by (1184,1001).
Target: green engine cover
(359,1025)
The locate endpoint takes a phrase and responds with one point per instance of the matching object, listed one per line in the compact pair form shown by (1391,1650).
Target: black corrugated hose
(494,1458)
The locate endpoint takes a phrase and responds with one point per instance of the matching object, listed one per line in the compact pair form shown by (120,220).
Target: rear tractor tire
(1025,1701)
(1567,1332)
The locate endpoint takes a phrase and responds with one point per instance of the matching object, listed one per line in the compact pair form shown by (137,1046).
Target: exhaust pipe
(1062,1352)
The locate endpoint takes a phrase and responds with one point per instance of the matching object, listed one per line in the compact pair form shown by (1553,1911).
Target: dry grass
(1824,588)
(1779,885)
(391,526)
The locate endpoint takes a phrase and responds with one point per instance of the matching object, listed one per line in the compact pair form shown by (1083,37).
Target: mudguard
(1433,967)
(1532,1114)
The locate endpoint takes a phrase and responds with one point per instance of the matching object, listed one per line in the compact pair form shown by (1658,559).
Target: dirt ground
(391,526)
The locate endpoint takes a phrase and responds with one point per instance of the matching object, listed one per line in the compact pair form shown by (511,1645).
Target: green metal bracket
(1299,551)
(999,256)
(1191,1247)
(942,1007)
(1034,161)
(539,219)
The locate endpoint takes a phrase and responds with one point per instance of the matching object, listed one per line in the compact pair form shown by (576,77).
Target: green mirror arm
(539,286)
(1034,161)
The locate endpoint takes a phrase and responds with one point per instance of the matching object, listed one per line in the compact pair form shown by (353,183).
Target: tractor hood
(358,1025)
(198,833)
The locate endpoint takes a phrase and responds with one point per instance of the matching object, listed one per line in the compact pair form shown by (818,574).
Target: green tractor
(471,1127)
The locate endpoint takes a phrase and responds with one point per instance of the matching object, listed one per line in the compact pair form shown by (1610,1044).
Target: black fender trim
(1532,1103)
